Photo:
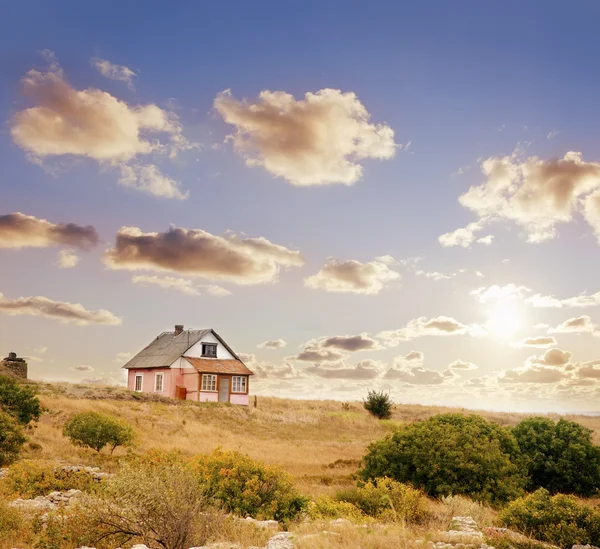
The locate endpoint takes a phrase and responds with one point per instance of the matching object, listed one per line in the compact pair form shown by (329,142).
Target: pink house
(190,365)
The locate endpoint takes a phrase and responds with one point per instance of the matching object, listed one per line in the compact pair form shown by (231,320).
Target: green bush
(560,519)
(326,508)
(11,520)
(450,454)
(386,499)
(560,457)
(95,430)
(29,479)
(247,487)
(19,400)
(12,439)
(378,405)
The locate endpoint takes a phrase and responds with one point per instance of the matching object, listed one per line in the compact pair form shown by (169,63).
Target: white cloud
(317,140)
(441,326)
(114,72)
(150,180)
(464,237)
(540,341)
(67,259)
(272,344)
(60,310)
(182,285)
(82,368)
(549,301)
(578,325)
(552,134)
(462,365)
(352,277)
(495,292)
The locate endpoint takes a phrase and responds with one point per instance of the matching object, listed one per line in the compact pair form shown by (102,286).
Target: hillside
(318,442)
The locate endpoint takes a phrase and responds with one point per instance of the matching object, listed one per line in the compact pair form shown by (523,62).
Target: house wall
(209,397)
(149,380)
(196,350)
(238,398)
(185,375)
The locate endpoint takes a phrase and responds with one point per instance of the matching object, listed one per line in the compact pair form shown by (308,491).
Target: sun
(504,319)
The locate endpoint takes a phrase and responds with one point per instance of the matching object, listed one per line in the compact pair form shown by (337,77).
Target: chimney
(178,329)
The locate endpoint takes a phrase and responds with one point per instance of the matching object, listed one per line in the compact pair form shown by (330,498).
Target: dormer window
(209,350)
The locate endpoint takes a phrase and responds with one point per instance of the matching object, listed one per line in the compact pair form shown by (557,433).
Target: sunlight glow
(504,319)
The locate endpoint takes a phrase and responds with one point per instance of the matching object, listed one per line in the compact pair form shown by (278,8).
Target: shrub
(160,505)
(326,508)
(378,404)
(560,519)
(449,454)
(11,439)
(560,457)
(247,487)
(95,430)
(11,520)
(19,400)
(29,479)
(386,499)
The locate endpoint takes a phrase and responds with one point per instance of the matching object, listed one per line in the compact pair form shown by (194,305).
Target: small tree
(378,404)
(11,439)
(95,430)
(19,400)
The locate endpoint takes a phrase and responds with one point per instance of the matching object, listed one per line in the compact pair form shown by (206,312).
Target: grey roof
(168,347)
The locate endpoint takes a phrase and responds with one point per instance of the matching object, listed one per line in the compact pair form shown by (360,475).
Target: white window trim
(141,389)
(216,389)
(244,382)
(162,382)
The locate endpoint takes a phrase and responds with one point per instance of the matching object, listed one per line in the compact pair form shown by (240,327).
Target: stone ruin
(16,365)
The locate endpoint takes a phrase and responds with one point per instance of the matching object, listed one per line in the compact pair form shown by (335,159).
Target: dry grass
(319,443)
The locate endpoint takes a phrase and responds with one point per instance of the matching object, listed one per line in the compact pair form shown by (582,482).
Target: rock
(588,546)
(262,523)
(283,540)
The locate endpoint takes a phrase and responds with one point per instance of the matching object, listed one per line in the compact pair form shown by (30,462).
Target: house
(190,365)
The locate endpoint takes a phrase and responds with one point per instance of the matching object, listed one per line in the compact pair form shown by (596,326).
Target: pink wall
(235,398)
(148,380)
(209,397)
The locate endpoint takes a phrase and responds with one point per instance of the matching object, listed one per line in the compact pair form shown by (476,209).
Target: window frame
(141,389)
(243,382)
(213,382)
(205,346)
(162,382)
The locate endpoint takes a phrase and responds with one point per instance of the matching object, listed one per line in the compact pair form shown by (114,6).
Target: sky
(394,196)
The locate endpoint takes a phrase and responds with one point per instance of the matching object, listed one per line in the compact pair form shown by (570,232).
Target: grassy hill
(318,442)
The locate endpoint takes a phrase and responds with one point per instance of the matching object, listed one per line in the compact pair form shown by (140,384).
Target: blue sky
(457,83)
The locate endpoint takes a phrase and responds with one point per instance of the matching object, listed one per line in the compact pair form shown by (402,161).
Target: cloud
(416,375)
(18,230)
(536,194)
(462,365)
(534,374)
(67,259)
(365,369)
(540,341)
(552,357)
(121,358)
(150,180)
(199,253)
(93,124)
(60,310)
(464,237)
(317,355)
(114,72)
(317,140)
(361,342)
(494,292)
(217,291)
(487,240)
(352,277)
(414,356)
(82,368)
(577,325)
(272,344)
(552,134)
(440,326)
(549,301)
(182,285)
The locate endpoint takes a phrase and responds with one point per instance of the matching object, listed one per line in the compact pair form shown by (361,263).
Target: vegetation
(561,519)
(378,404)
(387,500)
(247,487)
(95,430)
(450,454)
(19,400)
(327,508)
(11,439)
(559,456)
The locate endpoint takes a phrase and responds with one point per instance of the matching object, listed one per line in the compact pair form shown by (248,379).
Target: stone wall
(17,366)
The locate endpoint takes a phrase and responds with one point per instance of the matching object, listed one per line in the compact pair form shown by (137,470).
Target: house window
(158,383)
(209,349)
(238,384)
(209,382)
(139,381)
